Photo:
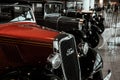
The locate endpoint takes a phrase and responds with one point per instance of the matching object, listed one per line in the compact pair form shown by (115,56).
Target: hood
(27,31)
(62,23)
(63,18)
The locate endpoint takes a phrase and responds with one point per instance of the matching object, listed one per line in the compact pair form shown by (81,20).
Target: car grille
(70,64)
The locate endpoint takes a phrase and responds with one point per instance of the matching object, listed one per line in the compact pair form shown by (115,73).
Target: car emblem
(70,51)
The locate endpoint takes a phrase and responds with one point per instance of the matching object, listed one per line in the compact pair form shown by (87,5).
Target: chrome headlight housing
(84,47)
(55,58)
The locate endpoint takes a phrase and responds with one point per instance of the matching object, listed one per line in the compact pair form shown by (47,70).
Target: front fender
(97,29)
(62,23)
(87,63)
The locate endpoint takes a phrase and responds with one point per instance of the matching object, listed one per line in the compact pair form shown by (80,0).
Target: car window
(38,7)
(53,9)
(72,6)
(10,13)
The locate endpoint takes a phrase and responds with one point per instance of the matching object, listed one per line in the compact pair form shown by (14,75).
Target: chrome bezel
(55,60)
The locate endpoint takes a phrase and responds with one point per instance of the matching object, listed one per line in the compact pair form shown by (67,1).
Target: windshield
(53,9)
(72,6)
(12,13)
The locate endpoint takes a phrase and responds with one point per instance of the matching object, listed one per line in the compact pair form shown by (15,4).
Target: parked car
(96,21)
(32,52)
(92,16)
(49,14)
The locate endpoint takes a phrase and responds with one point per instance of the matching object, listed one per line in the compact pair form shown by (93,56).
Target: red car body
(34,44)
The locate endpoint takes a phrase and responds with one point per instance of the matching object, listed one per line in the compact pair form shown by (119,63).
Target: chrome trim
(79,25)
(55,60)
(107,77)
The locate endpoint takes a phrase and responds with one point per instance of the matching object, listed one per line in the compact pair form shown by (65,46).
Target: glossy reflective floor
(110,49)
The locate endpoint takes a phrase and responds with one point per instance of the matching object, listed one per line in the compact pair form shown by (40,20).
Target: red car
(32,52)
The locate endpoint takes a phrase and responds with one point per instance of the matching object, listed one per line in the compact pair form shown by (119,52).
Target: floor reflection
(110,50)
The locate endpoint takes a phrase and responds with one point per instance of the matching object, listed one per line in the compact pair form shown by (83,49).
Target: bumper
(107,77)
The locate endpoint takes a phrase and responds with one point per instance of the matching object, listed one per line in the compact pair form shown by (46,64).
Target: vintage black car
(93,16)
(50,14)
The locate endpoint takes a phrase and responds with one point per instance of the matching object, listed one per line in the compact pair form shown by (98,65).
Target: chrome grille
(70,63)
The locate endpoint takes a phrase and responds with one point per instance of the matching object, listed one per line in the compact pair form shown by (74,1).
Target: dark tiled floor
(110,50)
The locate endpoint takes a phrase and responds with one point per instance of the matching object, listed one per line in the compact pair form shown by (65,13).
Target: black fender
(93,38)
(87,63)
(99,28)
(99,23)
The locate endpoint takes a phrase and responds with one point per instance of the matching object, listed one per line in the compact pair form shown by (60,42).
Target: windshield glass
(9,13)
(53,8)
(72,6)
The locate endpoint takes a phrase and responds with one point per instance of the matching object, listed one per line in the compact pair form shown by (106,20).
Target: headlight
(55,60)
(84,47)
(80,25)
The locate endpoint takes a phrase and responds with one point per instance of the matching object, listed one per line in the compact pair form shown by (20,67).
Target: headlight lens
(80,25)
(55,60)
